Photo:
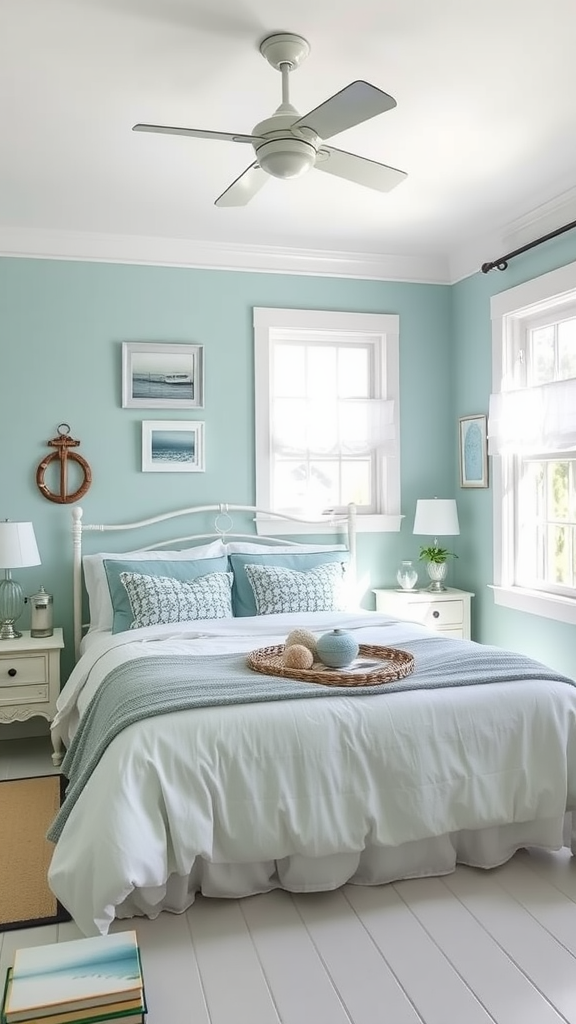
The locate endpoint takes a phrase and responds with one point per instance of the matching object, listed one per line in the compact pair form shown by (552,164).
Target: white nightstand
(30,678)
(447,611)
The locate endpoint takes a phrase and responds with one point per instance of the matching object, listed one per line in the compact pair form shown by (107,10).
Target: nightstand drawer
(27,694)
(446,611)
(19,670)
(440,614)
(30,680)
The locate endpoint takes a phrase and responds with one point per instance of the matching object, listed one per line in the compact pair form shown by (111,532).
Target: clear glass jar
(407,576)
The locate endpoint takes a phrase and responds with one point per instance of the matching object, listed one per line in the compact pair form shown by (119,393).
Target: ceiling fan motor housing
(286,158)
(282,151)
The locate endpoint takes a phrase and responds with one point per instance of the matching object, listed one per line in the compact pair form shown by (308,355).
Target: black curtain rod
(502,262)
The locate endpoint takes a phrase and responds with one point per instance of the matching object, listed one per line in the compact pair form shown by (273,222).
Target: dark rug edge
(61,914)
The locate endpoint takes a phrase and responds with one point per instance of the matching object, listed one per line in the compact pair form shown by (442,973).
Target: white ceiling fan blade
(357,102)
(244,188)
(359,169)
(196,133)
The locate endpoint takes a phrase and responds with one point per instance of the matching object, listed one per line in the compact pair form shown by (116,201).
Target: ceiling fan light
(286,158)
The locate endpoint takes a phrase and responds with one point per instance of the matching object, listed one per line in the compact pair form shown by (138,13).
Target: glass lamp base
(7,631)
(11,608)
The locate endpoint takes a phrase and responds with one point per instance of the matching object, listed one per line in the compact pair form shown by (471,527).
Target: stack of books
(84,981)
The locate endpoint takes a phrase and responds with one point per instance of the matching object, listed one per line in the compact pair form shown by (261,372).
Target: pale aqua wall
(548,641)
(60,359)
(62,326)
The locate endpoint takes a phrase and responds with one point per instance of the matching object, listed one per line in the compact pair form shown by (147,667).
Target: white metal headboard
(223,529)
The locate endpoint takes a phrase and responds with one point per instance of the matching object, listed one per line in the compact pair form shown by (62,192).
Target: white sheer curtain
(341,426)
(538,419)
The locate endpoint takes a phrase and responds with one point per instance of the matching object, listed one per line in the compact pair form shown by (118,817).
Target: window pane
(559,571)
(355,427)
(322,426)
(356,477)
(541,369)
(546,525)
(558,502)
(324,482)
(353,372)
(567,349)
(301,485)
(290,483)
(289,425)
(289,369)
(321,371)
(530,511)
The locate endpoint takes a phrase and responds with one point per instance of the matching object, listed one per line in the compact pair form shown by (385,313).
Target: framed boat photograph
(162,376)
(473,450)
(172,446)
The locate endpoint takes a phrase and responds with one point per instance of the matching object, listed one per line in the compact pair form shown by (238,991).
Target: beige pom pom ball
(297,656)
(304,638)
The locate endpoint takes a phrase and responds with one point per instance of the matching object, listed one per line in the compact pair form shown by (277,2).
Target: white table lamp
(437,517)
(18,548)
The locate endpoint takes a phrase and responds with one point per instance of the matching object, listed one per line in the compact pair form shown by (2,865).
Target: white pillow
(96,582)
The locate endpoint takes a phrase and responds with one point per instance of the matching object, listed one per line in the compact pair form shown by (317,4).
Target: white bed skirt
(483,848)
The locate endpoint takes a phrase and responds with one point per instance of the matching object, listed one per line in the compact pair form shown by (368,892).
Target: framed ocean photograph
(162,376)
(473,449)
(172,446)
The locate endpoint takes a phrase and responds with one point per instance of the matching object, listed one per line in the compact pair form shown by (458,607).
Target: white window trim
(387,326)
(552,290)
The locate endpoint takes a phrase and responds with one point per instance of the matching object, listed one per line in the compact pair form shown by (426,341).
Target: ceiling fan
(288,145)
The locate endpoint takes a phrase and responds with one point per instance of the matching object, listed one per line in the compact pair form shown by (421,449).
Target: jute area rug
(27,808)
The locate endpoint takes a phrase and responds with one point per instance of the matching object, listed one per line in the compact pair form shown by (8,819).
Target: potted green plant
(436,559)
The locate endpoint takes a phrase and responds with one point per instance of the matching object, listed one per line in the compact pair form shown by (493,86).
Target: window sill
(549,606)
(364,524)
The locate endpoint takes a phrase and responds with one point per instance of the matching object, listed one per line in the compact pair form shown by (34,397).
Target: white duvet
(303,794)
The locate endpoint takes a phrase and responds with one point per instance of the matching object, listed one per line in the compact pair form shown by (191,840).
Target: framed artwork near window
(172,446)
(473,451)
(162,376)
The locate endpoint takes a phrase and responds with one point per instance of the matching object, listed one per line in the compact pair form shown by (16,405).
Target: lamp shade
(17,545)
(436,517)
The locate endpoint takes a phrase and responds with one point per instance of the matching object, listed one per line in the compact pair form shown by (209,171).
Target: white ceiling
(484,126)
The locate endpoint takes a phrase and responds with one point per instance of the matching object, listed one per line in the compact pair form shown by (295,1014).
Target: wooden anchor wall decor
(64,445)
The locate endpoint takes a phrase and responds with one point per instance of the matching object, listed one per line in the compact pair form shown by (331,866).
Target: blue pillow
(184,571)
(243,601)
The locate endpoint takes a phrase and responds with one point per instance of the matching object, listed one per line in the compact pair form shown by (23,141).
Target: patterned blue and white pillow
(156,600)
(277,589)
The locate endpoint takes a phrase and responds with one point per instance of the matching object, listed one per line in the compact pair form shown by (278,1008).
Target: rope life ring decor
(64,445)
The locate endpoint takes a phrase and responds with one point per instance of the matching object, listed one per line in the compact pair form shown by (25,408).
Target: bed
(185,777)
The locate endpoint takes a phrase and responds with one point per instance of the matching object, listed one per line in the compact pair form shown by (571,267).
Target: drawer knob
(436,614)
(11,671)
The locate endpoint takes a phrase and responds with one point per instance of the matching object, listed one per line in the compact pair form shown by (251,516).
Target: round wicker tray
(394,664)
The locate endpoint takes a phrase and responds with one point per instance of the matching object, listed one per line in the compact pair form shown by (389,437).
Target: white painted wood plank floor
(473,947)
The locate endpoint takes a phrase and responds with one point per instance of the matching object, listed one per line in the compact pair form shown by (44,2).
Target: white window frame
(551,292)
(385,328)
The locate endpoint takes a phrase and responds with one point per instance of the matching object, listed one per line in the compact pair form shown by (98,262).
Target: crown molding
(416,268)
(467,260)
(542,219)
(177,252)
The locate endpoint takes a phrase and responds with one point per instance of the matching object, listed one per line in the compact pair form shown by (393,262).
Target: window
(327,414)
(532,433)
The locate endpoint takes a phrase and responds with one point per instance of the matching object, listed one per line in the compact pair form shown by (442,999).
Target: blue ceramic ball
(337,649)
